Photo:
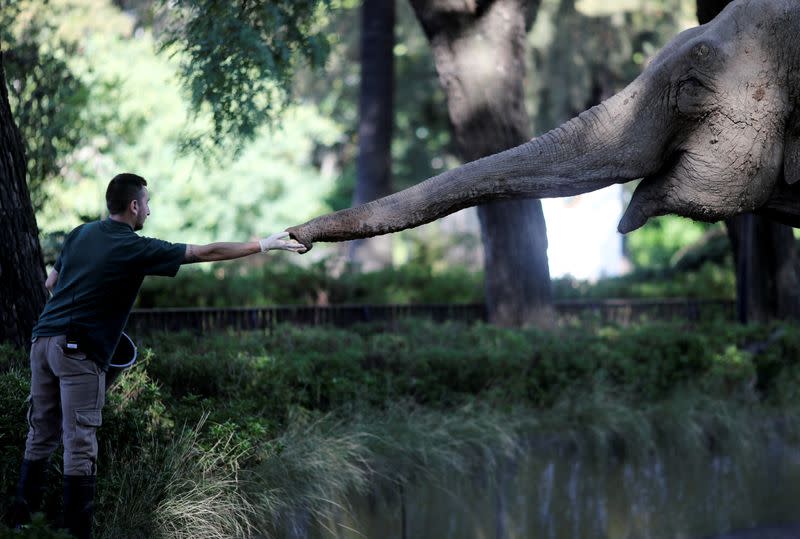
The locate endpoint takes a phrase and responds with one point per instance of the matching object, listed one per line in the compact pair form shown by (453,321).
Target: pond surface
(561,494)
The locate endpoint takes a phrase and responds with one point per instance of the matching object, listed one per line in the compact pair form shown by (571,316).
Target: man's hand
(279,241)
(51,281)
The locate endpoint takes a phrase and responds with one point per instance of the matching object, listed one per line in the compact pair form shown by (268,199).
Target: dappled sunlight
(483,72)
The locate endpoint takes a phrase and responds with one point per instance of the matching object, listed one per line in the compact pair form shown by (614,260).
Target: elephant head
(712,126)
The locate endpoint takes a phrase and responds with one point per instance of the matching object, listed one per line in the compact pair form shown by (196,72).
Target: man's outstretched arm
(213,252)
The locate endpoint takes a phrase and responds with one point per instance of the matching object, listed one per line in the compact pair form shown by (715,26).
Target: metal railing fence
(607,311)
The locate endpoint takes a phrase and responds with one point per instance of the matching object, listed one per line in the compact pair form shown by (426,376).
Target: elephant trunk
(600,147)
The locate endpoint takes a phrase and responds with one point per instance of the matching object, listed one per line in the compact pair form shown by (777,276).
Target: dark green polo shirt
(100,269)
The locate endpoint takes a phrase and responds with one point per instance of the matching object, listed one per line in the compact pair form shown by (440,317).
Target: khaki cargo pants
(67,397)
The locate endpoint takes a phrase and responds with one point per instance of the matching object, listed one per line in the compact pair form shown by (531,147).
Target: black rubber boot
(79,504)
(30,488)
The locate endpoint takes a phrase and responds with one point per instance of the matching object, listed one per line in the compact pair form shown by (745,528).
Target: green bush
(446,364)
(708,281)
(38,529)
(281,283)
(14,388)
(264,423)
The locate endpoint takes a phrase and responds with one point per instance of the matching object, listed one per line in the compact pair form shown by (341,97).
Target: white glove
(279,241)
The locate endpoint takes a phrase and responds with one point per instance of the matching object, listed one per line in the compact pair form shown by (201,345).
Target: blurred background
(100,87)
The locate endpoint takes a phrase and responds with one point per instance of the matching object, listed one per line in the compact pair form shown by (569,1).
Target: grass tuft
(178,490)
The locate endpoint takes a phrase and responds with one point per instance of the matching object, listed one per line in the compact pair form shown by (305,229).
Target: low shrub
(708,280)
(444,364)
(232,284)
(282,283)
(215,436)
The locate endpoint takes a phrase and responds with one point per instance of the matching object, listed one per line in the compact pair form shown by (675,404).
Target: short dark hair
(121,190)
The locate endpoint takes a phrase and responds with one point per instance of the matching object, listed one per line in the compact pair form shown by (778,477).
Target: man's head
(127,198)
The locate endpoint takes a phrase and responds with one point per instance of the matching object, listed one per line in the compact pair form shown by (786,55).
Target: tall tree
(767,264)
(479,51)
(238,60)
(767,270)
(21,267)
(374,175)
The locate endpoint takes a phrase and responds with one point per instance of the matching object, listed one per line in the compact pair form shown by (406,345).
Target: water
(560,493)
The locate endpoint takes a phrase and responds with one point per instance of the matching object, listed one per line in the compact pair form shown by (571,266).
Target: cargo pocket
(85,443)
(89,418)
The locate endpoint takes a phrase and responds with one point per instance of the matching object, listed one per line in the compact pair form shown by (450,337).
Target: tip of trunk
(298,233)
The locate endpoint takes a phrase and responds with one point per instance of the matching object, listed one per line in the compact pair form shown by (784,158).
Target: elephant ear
(791,150)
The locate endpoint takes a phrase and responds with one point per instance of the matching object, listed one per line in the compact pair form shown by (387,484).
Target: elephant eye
(703,51)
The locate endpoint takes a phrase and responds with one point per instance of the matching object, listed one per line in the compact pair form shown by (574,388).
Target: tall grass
(316,466)
(306,477)
(177,490)
(256,435)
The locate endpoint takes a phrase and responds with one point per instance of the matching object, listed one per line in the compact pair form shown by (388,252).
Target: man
(94,283)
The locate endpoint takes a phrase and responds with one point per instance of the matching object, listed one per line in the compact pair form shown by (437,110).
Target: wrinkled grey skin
(711,126)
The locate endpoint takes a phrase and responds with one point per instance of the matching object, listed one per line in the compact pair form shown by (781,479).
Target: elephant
(711,127)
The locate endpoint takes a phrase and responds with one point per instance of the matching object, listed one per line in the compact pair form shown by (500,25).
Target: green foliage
(444,364)
(420,137)
(273,184)
(37,529)
(238,59)
(176,489)
(227,435)
(282,283)
(135,405)
(14,387)
(586,51)
(47,100)
(655,245)
(48,90)
(713,246)
(307,166)
(709,281)
(8,16)
(282,177)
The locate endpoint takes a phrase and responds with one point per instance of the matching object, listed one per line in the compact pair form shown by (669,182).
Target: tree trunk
(765,252)
(374,179)
(767,278)
(21,267)
(479,51)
